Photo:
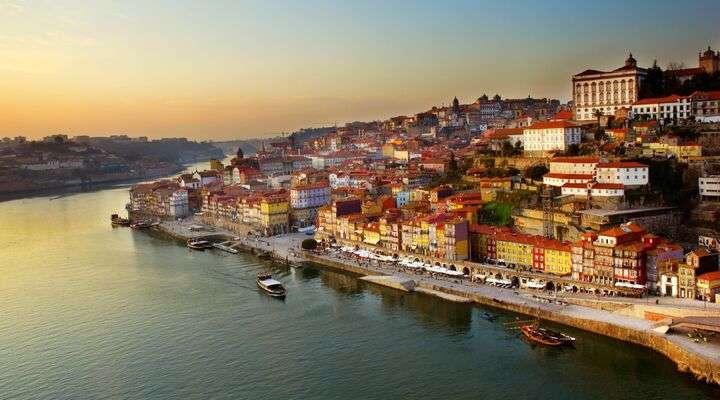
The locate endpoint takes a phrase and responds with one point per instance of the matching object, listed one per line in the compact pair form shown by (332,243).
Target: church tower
(709,61)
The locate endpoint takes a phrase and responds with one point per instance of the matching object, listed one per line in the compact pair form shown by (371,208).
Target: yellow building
(515,248)
(371,234)
(274,215)
(558,259)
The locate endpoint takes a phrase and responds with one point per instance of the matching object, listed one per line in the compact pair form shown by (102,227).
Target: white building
(709,188)
(706,106)
(339,180)
(606,92)
(594,189)
(570,170)
(545,136)
(179,206)
(310,195)
(626,173)
(671,107)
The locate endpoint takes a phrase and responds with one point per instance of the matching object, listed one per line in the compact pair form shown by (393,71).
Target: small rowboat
(534,334)
(566,339)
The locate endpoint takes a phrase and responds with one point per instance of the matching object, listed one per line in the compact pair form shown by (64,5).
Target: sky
(241,69)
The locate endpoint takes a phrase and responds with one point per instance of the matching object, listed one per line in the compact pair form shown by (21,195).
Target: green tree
(309,244)
(536,172)
(653,84)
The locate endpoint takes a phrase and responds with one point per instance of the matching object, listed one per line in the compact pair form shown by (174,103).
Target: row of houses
(702,106)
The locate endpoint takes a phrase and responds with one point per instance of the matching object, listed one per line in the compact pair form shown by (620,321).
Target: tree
(653,85)
(573,150)
(600,135)
(453,171)
(309,244)
(507,149)
(536,172)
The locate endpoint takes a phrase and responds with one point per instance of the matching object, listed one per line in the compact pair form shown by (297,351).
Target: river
(95,312)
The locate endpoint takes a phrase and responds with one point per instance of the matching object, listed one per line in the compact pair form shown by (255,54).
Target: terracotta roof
(656,100)
(709,276)
(623,230)
(576,160)
(552,125)
(621,164)
(565,114)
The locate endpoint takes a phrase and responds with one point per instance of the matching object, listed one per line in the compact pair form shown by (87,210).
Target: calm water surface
(92,312)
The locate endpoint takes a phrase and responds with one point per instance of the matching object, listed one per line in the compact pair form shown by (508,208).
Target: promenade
(701,359)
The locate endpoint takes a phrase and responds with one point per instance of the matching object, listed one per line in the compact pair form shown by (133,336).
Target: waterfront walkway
(287,247)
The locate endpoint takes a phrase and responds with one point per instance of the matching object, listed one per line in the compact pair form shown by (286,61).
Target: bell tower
(709,61)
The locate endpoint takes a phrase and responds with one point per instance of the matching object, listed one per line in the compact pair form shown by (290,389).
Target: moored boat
(116,220)
(272,287)
(533,333)
(140,225)
(198,244)
(566,339)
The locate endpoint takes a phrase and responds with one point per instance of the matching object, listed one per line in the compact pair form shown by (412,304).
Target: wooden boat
(198,244)
(270,285)
(566,339)
(533,333)
(116,220)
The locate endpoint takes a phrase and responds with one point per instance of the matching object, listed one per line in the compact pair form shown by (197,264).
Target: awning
(372,240)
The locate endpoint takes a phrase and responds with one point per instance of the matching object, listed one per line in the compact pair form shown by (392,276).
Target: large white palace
(606,91)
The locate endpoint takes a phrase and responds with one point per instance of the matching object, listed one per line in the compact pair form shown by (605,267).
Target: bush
(309,244)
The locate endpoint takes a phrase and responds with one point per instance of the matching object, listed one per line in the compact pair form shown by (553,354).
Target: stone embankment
(702,362)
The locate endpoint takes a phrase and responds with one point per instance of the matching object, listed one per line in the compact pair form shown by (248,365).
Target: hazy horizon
(236,70)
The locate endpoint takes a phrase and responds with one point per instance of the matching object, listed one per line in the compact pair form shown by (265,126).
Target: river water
(95,312)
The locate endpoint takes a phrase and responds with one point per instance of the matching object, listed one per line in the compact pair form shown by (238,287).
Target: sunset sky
(238,69)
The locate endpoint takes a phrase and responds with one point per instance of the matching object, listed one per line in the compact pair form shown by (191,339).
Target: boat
(566,339)
(533,333)
(199,244)
(116,220)
(140,225)
(272,287)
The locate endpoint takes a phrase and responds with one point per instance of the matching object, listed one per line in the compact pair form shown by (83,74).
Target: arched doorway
(515,281)
(452,267)
(575,289)
(466,271)
(498,276)
(550,286)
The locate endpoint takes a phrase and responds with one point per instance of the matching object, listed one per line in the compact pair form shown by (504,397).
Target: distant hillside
(178,150)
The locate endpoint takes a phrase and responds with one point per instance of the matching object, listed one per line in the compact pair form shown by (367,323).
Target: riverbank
(702,360)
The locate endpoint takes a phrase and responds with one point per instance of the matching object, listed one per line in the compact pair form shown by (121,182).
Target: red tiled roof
(565,114)
(656,100)
(551,125)
(576,160)
(621,164)
(709,276)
